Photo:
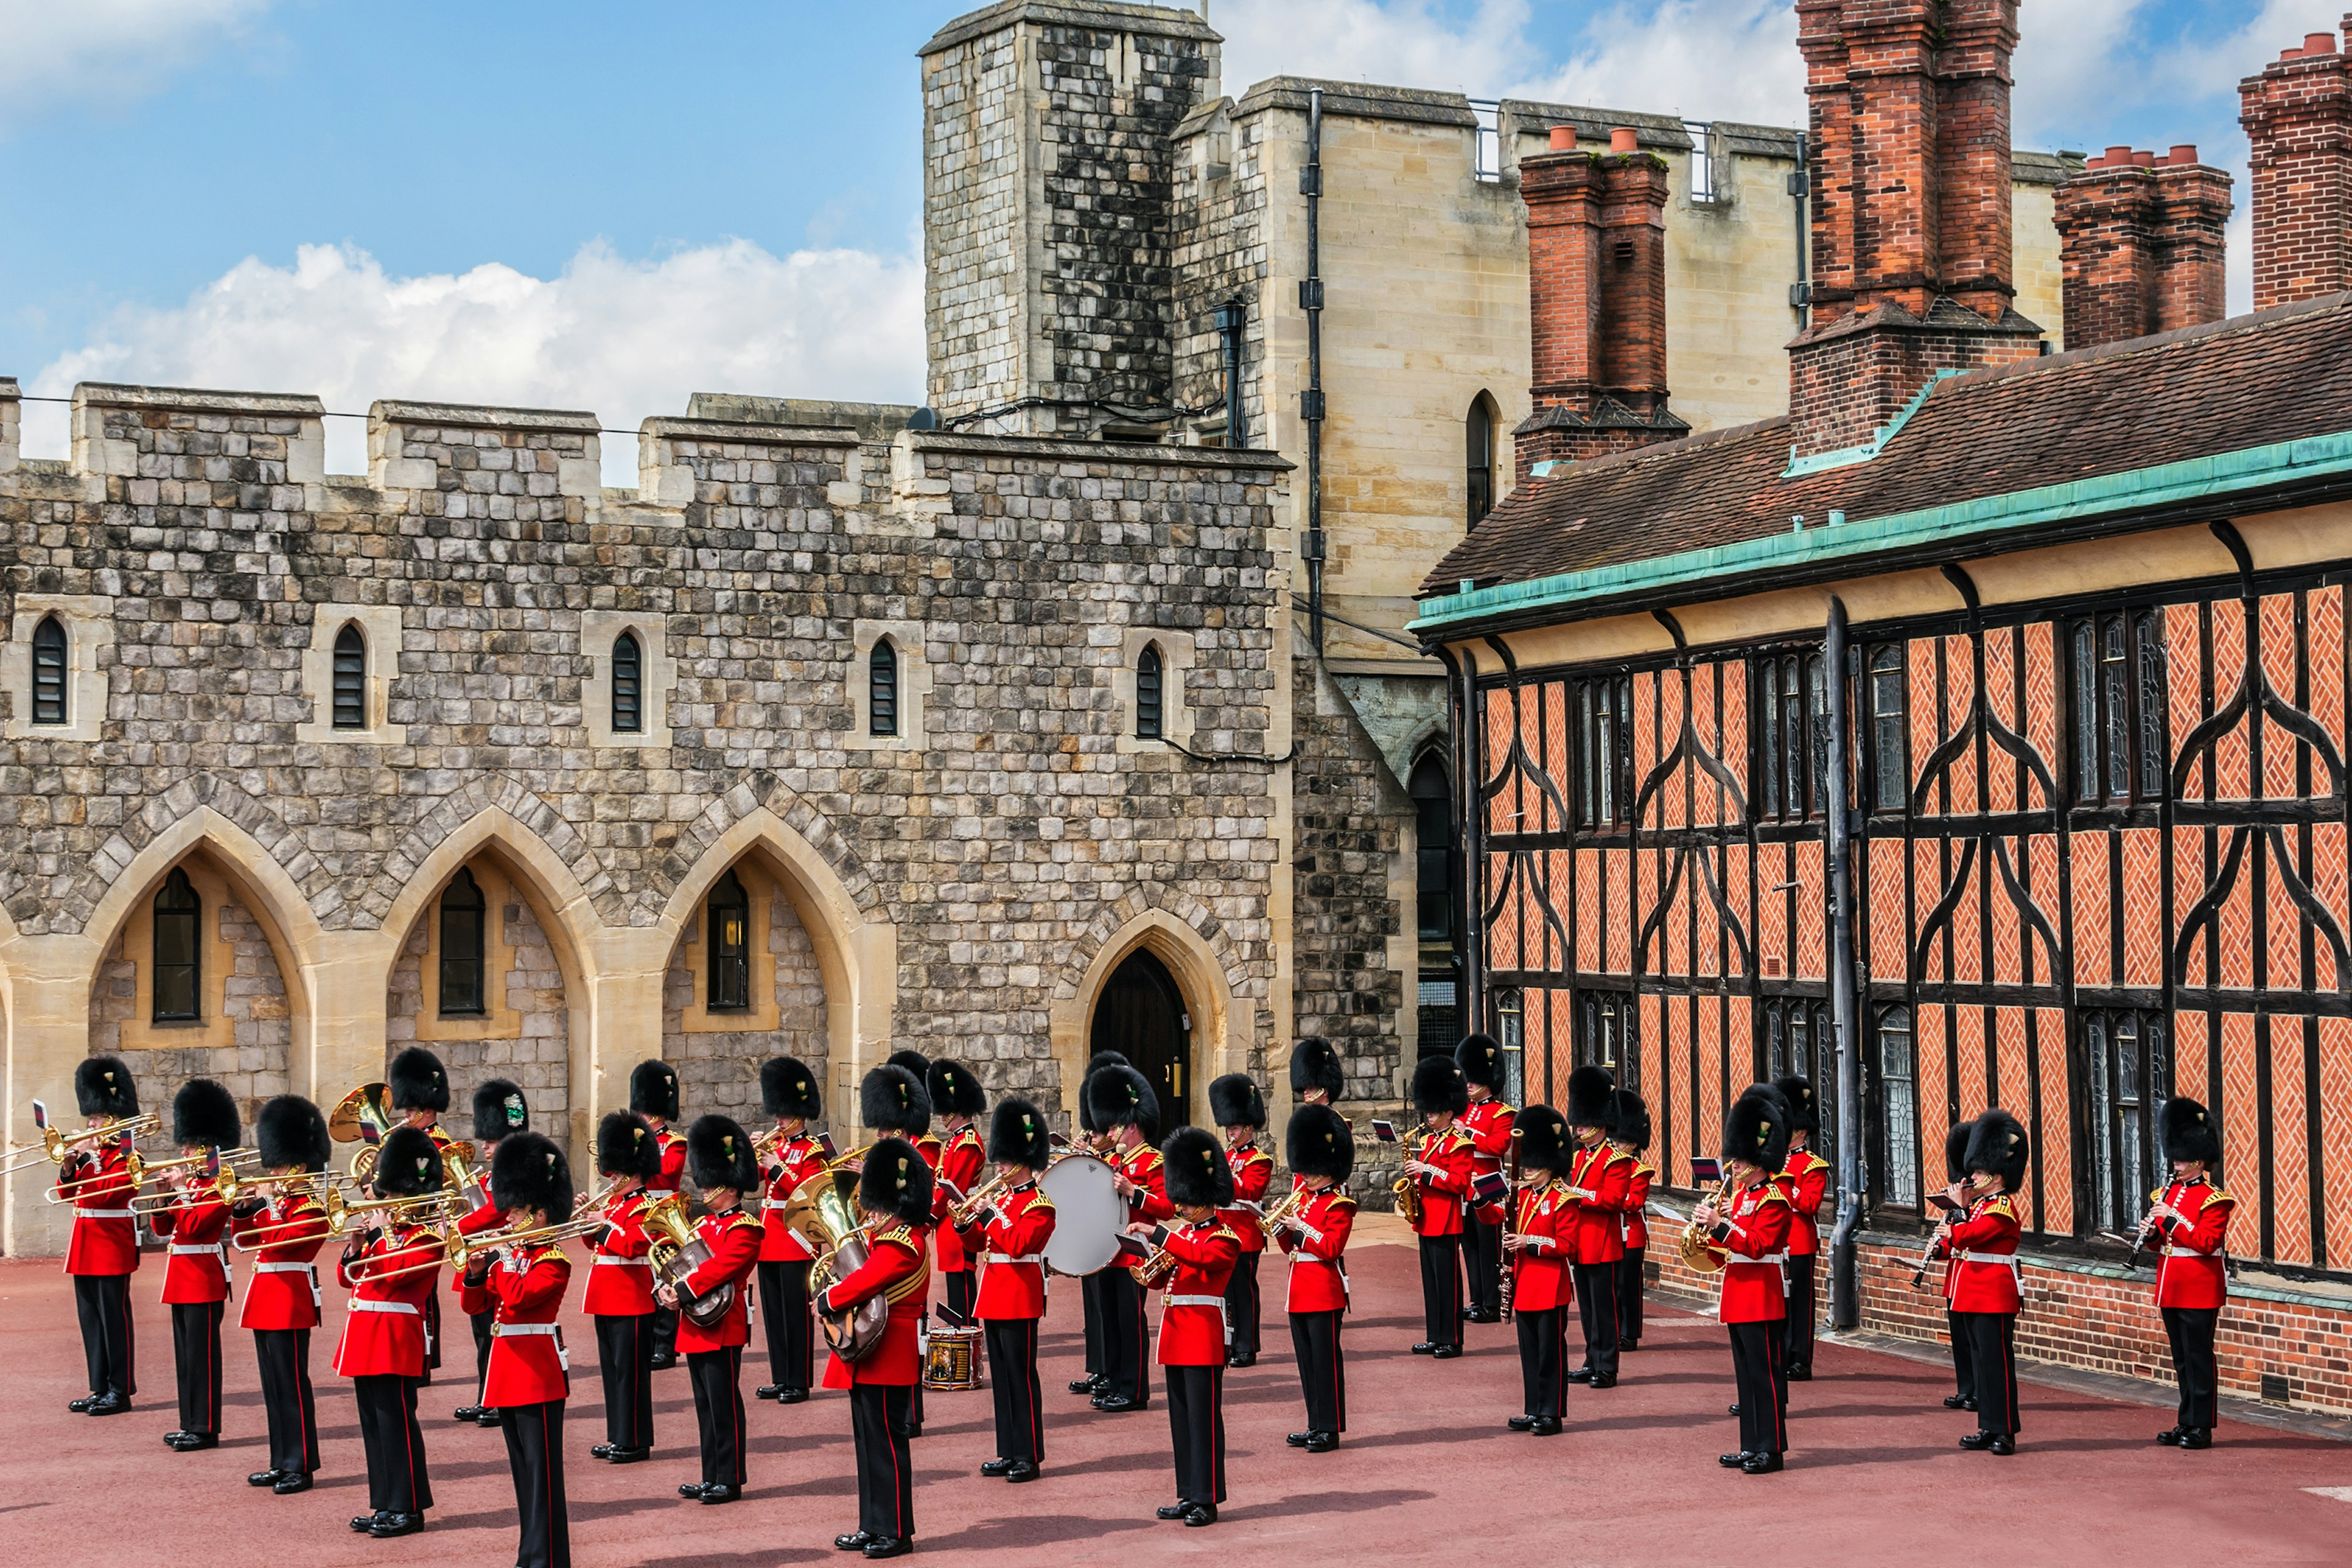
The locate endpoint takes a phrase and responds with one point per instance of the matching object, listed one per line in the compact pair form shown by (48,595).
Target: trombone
(458,1250)
(222,1183)
(341,1212)
(55,1144)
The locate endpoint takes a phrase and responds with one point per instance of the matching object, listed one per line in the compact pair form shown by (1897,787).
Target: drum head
(1088,1214)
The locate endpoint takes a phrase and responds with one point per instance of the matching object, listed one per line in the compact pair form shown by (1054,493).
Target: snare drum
(952,1360)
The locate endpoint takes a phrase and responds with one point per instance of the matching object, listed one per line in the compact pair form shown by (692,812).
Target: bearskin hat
(418,1081)
(204,1116)
(653,1090)
(1955,1150)
(499,1111)
(2187,1131)
(1319,1142)
(528,1171)
(1998,1147)
(915,1062)
(1107,1059)
(292,1133)
(1756,1130)
(1797,1094)
(718,1154)
(407,1162)
(1437,1086)
(1590,1091)
(1544,1140)
(1193,1162)
(1017,1135)
(1629,1119)
(896,1181)
(1315,1065)
(625,1146)
(788,1088)
(103,1087)
(892,1099)
(1234,1101)
(1118,1097)
(1480,1058)
(954,1091)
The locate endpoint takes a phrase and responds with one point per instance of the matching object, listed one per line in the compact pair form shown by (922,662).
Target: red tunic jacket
(620,1278)
(1488,1122)
(1012,1247)
(961,1162)
(1984,1253)
(733,1238)
(798,1160)
(898,1270)
(2192,1272)
(1252,1170)
(482,1219)
(1317,1246)
(1636,1224)
(1192,1317)
(383,1336)
(1539,1277)
(284,1291)
(673,1161)
(525,1287)
(1443,1196)
(198,1267)
(1804,1182)
(1141,1166)
(1754,1230)
(105,1236)
(1599,1178)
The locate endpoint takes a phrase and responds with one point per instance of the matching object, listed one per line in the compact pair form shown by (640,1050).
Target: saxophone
(1408,1191)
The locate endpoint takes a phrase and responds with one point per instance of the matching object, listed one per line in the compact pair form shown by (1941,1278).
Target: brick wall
(2141,244)
(2298,119)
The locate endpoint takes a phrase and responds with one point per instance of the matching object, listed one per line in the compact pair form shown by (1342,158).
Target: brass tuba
(366,1106)
(852,1333)
(676,1251)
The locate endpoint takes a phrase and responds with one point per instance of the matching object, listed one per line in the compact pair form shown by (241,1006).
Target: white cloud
(622,339)
(1398,44)
(1708,60)
(111,49)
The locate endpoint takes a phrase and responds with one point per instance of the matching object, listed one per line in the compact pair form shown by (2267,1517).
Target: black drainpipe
(1233,323)
(1310,403)
(1845,1294)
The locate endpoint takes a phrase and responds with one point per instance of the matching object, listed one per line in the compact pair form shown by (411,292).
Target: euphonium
(1700,1253)
(364,1108)
(676,1251)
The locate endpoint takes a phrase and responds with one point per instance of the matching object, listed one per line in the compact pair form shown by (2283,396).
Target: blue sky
(607,205)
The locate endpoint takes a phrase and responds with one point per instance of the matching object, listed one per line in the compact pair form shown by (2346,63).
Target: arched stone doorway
(1140,1014)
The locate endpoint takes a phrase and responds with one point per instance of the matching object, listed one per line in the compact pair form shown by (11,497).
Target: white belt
(602,1261)
(1010,1258)
(408,1307)
(103,1214)
(2192,1252)
(214,1250)
(285,1268)
(2006,1259)
(1216,1302)
(775,1202)
(508,1330)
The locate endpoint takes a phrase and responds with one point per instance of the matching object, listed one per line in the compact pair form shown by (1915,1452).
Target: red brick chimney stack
(2298,116)
(2140,239)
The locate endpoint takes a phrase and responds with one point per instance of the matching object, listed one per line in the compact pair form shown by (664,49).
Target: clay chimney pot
(2318,44)
(1625,138)
(1563,138)
(2185,154)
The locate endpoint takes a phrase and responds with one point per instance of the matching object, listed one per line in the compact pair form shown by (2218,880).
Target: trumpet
(56,1143)
(1281,1210)
(968,1211)
(223,1186)
(595,1199)
(1154,1269)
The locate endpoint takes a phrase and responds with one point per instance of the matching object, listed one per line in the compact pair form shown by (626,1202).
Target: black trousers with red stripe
(1126,1336)
(397,1482)
(284,1355)
(432,1335)
(196,1354)
(625,1355)
(1797,1346)
(1013,1379)
(1964,1366)
(1196,1420)
(1596,1302)
(1322,1368)
(535,1458)
(1629,1295)
(1763,1386)
(785,1299)
(109,1343)
(1241,1306)
(878,1417)
(2190,1331)
(481,1322)
(1091,1290)
(718,1378)
(1482,1249)
(1543,1360)
(1992,1354)
(1440,1289)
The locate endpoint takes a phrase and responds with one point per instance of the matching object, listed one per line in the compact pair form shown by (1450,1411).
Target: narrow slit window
(1150,696)
(628,685)
(728,917)
(882,689)
(49,672)
(177,959)
(1890,730)
(463,917)
(351,678)
(1898,1109)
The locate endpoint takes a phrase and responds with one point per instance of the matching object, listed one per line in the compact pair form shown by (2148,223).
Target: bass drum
(1088,1214)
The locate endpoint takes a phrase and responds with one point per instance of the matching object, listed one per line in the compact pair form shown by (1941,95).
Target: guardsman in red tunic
(1540,1239)
(620,1295)
(1629,1134)
(1205,1248)
(1750,1227)
(1441,1168)
(392,1267)
(521,1288)
(196,1280)
(794,1095)
(2190,1219)
(1313,1233)
(1237,1106)
(1599,1178)
(1985,1295)
(893,1099)
(420,1091)
(652,1094)
(1488,1120)
(103,1252)
(1956,1176)
(956,1099)
(724,1166)
(1124,1106)
(894,1191)
(1095,1287)
(1009,1234)
(287,1225)
(500,1112)
(1806,1183)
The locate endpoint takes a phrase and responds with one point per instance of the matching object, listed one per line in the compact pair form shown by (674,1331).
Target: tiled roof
(2252,381)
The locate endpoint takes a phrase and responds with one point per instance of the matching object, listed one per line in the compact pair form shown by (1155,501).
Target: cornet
(983,1195)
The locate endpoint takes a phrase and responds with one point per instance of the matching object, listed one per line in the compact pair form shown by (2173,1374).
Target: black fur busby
(1998,1147)
(1234,1101)
(788,1088)
(1629,1119)
(204,1116)
(895,1181)
(418,1081)
(915,1062)
(1797,1094)
(2187,1131)
(291,1134)
(1017,1135)
(718,1154)
(1756,1130)
(892,1099)
(625,1146)
(954,1091)
(1955,1150)
(1545,1143)
(1107,1059)
(1315,1065)
(1193,1162)
(1437,1086)
(1319,1142)
(1480,1058)
(103,1087)
(1118,1097)
(499,1111)
(653,1090)
(1590,1089)
(528,1171)
(407,1162)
